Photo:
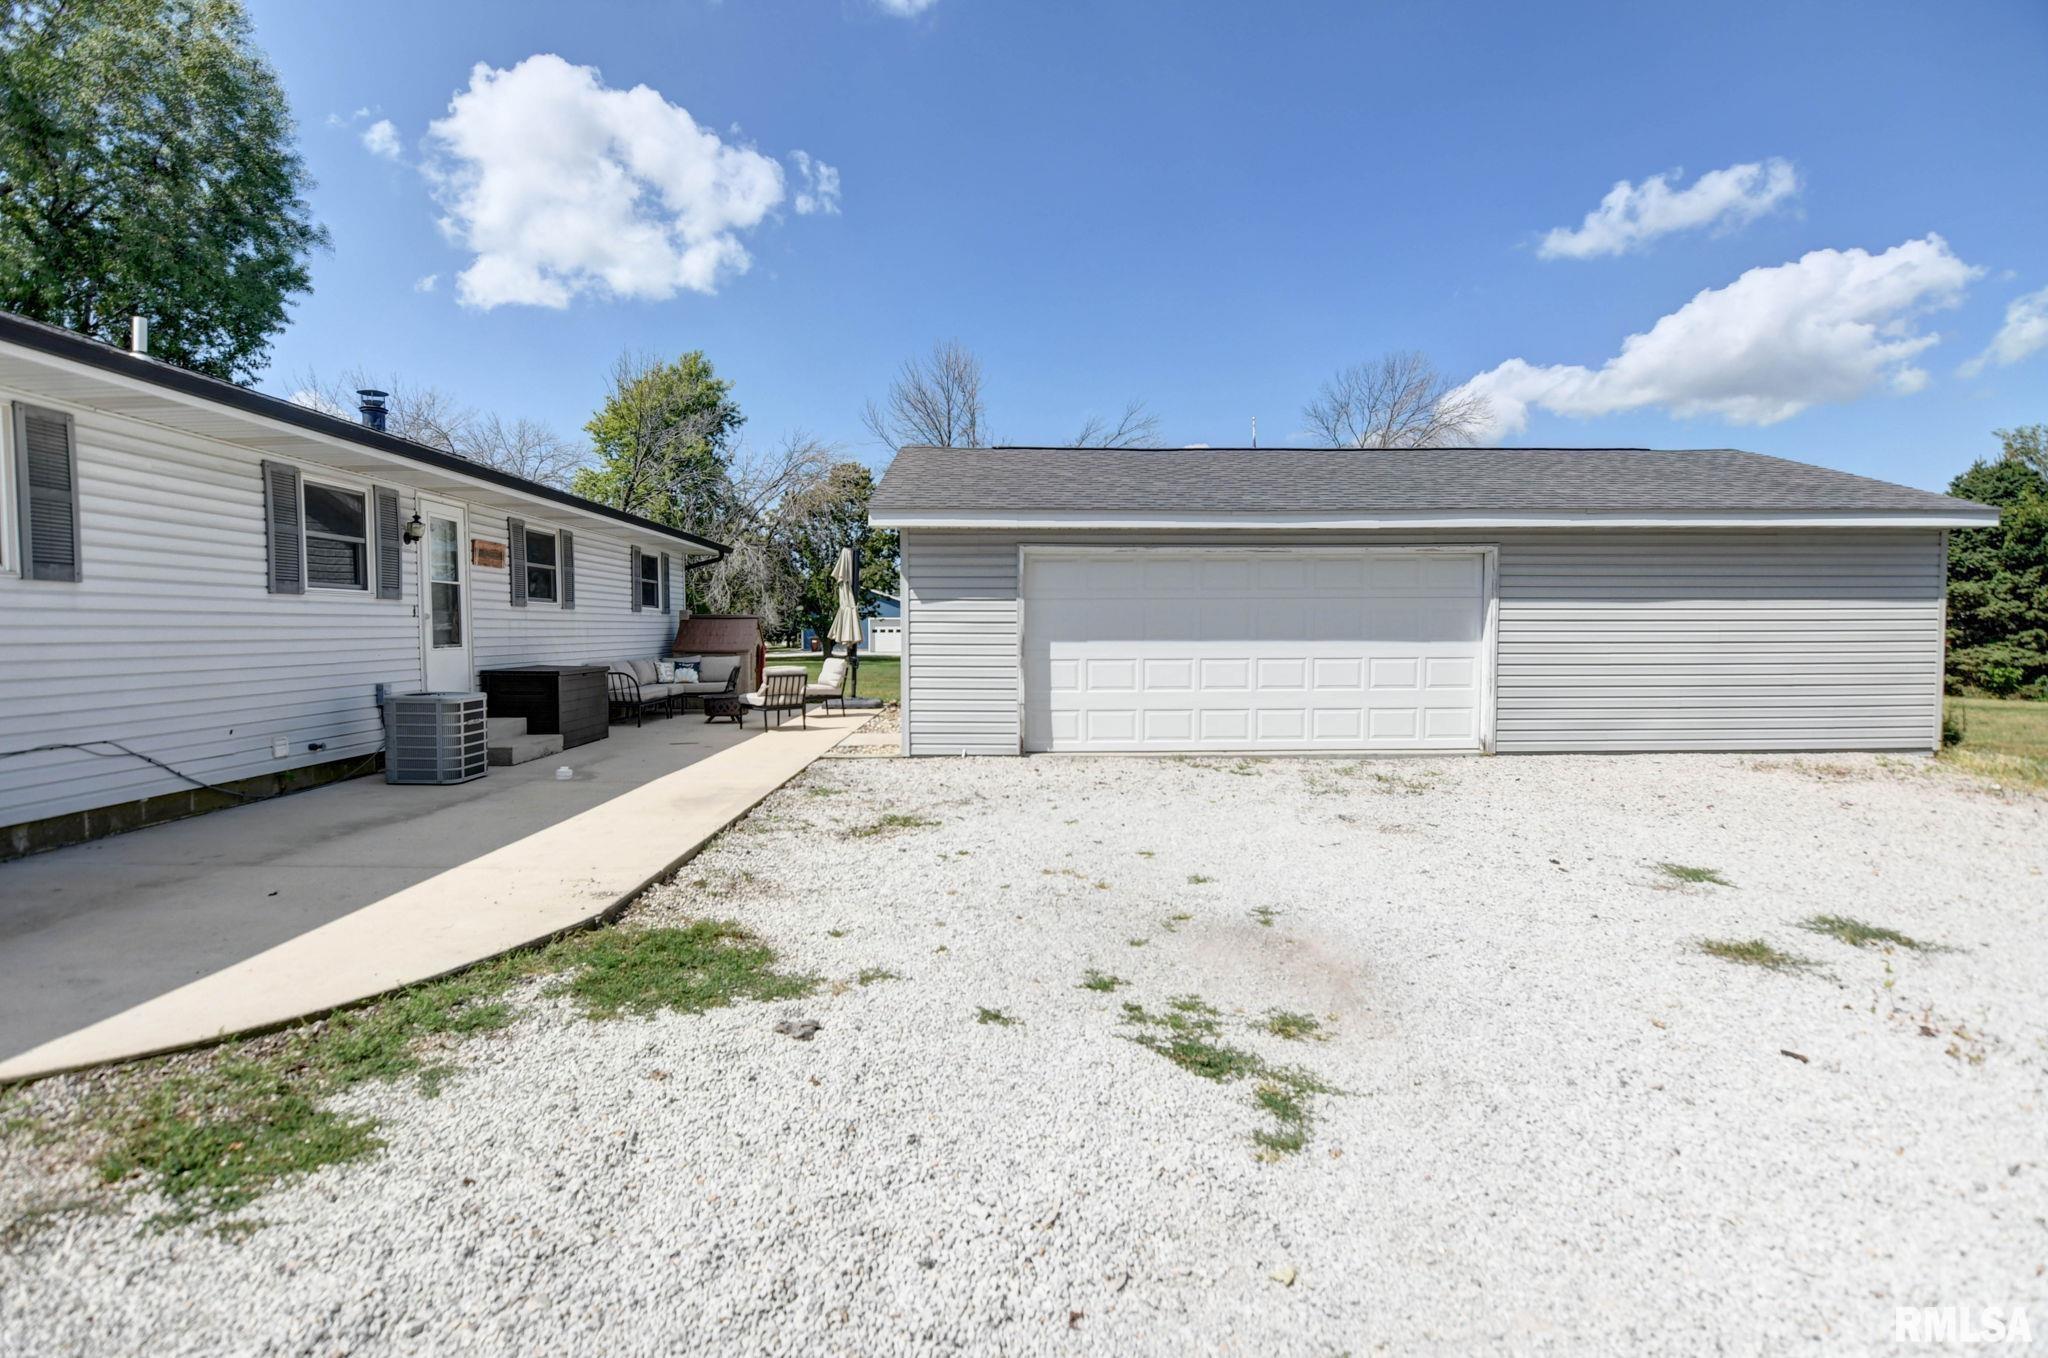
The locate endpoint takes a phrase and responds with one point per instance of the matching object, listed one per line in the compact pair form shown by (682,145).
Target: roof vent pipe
(372,407)
(138,336)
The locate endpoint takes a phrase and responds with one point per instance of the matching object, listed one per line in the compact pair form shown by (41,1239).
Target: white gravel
(1562,1129)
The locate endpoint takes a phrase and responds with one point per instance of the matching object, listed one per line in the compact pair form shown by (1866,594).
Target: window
(650,580)
(337,550)
(444,576)
(540,566)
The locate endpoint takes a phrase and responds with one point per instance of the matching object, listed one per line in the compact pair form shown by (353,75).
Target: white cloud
(820,185)
(562,186)
(1633,214)
(2025,332)
(381,139)
(1829,326)
(426,282)
(905,8)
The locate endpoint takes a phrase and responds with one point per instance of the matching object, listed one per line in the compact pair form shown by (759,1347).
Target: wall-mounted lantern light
(415,530)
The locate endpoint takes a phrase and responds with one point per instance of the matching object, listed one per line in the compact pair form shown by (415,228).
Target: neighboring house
(1475,599)
(221,580)
(881,634)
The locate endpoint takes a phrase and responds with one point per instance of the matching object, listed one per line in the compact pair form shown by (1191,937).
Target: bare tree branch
(936,400)
(1398,400)
(1137,427)
(434,417)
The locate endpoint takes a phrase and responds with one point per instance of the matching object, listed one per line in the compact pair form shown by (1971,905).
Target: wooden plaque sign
(486,553)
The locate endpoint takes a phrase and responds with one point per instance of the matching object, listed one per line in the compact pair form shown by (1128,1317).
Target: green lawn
(880,676)
(2003,738)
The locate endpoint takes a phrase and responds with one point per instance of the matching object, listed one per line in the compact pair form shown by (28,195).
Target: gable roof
(49,342)
(963,486)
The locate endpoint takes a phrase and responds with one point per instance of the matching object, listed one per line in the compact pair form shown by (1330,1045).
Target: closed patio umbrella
(846,617)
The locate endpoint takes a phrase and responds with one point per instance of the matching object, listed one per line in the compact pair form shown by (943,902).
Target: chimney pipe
(372,406)
(138,336)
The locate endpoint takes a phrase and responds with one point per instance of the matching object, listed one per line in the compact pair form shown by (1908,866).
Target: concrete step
(521,748)
(499,730)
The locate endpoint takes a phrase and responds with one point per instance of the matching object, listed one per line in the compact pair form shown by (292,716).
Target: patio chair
(830,685)
(781,692)
(628,698)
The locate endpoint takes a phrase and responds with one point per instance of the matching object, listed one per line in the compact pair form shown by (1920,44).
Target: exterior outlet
(280,748)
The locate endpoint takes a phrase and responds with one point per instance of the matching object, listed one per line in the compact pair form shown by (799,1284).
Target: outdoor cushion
(643,670)
(715,669)
(831,676)
(701,688)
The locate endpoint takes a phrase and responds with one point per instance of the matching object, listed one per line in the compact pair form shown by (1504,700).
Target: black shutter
(633,578)
(515,559)
(46,460)
(286,528)
(390,553)
(565,566)
(665,605)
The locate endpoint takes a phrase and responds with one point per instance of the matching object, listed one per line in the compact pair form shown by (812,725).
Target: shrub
(1955,723)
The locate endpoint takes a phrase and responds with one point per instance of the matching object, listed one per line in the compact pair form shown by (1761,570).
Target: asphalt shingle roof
(1368,481)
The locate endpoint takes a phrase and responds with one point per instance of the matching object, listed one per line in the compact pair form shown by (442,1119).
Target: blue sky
(1208,207)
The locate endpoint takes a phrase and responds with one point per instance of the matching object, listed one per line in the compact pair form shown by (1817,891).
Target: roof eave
(1963,515)
(49,343)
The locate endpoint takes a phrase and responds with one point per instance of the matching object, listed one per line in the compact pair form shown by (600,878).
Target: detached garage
(1340,601)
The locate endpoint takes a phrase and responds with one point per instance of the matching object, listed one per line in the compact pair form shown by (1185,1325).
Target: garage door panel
(1227,674)
(1348,673)
(1217,648)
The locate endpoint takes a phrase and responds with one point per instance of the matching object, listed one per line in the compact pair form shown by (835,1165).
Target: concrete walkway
(529,872)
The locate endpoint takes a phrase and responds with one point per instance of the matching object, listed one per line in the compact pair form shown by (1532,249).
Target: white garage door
(1224,649)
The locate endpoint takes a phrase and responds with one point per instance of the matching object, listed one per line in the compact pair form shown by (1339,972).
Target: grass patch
(1197,879)
(1857,934)
(1291,1026)
(2003,739)
(1188,1032)
(893,822)
(835,933)
(1172,923)
(1092,979)
(995,1016)
(1678,872)
(881,676)
(870,975)
(1137,942)
(1406,784)
(1265,915)
(253,1114)
(707,964)
(1752,952)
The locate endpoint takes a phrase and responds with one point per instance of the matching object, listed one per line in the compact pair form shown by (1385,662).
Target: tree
(1136,428)
(828,516)
(429,415)
(1398,400)
(1998,577)
(147,167)
(662,441)
(935,401)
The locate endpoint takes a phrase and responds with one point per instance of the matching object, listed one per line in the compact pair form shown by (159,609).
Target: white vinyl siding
(960,616)
(1799,639)
(173,644)
(603,626)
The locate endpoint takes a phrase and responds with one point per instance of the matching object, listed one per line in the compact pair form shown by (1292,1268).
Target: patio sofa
(636,686)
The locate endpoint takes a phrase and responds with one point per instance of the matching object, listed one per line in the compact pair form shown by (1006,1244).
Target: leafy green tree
(147,167)
(662,442)
(818,522)
(1998,577)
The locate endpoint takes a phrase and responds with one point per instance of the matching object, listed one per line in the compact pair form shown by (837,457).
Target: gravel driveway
(1532,1114)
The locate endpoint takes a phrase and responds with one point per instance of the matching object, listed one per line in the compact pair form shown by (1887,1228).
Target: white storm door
(1254,649)
(444,598)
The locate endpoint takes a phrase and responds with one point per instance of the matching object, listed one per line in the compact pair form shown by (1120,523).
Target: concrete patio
(251,917)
